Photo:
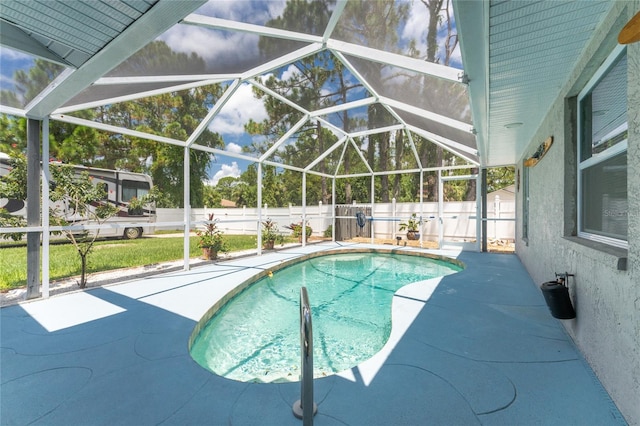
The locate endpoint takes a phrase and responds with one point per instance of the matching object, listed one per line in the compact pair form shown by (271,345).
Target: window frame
(582,165)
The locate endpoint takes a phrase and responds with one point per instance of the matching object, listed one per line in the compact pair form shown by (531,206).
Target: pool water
(255,337)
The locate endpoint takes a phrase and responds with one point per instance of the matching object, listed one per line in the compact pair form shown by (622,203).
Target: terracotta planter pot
(209,253)
(268,245)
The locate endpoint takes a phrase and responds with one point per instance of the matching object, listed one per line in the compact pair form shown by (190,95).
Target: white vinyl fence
(458,219)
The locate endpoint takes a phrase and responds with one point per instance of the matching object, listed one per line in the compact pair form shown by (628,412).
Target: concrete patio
(475,347)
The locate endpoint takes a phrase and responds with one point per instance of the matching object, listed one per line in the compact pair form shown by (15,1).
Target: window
(133,188)
(602,154)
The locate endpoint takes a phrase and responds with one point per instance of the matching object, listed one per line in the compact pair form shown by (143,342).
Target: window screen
(604,198)
(602,168)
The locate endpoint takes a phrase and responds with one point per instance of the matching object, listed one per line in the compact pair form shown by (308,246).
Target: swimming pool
(254,337)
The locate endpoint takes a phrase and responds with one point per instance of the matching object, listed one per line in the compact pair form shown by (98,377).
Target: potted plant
(211,239)
(270,234)
(412,226)
(297,230)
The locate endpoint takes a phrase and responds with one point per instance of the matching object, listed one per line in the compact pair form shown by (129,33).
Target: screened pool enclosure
(341,94)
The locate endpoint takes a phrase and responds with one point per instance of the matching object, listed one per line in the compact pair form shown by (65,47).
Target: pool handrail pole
(305,408)
(306,342)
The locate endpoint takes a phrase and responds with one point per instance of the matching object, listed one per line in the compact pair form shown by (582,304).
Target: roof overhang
(519,58)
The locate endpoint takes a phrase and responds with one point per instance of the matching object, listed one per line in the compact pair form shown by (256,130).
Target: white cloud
(224,49)
(222,9)
(276,7)
(253,12)
(11,61)
(226,170)
(8,54)
(416,29)
(215,47)
(290,72)
(233,147)
(237,111)
(416,26)
(7,82)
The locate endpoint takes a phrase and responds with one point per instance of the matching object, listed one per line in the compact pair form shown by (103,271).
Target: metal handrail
(305,408)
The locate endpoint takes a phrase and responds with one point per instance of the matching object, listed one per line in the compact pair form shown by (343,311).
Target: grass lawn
(106,255)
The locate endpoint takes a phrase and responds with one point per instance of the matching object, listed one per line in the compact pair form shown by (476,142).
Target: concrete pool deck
(476,347)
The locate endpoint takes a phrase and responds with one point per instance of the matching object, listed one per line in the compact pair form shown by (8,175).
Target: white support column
(45,207)
(440,211)
(496,215)
(478,211)
(259,236)
(304,209)
(394,212)
(421,203)
(244,218)
(321,216)
(483,209)
(373,201)
(187,206)
(333,210)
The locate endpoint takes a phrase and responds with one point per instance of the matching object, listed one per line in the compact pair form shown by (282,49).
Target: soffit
(70,31)
(518,61)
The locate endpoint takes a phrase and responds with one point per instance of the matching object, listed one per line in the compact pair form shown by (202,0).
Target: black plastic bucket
(557,297)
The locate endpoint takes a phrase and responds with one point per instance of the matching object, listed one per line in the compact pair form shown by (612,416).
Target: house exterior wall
(605,291)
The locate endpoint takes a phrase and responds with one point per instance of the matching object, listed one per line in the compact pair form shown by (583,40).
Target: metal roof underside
(516,55)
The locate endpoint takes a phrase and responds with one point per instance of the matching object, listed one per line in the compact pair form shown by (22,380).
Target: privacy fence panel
(458,219)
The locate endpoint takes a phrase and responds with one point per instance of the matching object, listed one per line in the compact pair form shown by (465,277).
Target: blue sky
(11,61)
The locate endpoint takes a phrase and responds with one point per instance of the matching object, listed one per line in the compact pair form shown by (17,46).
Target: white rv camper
(120,186)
